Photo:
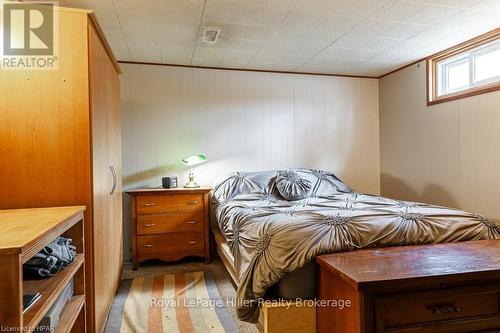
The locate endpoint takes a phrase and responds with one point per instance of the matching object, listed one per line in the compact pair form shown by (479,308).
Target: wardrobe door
(115,162)
(44,122)
(107,227)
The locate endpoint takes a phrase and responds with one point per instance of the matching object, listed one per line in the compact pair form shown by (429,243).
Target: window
(467,69)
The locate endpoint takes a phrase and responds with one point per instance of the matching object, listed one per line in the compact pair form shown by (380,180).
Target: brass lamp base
(191,183)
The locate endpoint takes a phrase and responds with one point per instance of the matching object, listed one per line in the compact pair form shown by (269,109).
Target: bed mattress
(272,240)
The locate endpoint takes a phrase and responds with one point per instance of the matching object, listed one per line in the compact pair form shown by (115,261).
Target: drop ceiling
(348,37)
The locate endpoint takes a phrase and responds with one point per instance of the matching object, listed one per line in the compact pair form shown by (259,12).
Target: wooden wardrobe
(60,144)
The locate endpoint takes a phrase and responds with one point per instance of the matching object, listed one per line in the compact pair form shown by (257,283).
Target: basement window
(465,70)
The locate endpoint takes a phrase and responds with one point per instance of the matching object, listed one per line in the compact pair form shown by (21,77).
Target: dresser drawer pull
(194,202)
(149,225)
(440,309)
(193,242)
(149,245)
(191,222)
(148,204)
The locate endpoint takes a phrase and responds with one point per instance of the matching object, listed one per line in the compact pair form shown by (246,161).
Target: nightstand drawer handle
(439,309)
(149,245)
(193,242)
(191,222)
(194,202)
(147,204)
(149,225)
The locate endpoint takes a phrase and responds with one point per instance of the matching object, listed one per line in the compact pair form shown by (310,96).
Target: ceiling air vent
(210,35)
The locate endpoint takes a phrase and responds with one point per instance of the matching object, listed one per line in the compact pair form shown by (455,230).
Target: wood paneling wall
(246,121)
(447,154)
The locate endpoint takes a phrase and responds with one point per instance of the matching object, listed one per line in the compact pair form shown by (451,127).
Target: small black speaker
(169,182)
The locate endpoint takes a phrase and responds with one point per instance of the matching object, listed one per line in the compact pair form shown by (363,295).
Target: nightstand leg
(207,260)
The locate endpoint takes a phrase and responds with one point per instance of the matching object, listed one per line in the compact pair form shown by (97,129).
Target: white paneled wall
(246,121)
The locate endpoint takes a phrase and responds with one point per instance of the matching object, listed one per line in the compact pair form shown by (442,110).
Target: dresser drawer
(178,203)
(166,223)
(167,244)
(417,308)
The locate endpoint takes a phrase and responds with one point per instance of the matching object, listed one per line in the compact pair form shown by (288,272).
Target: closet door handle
(115,180)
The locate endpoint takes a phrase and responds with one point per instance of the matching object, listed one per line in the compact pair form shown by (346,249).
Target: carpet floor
(222,280)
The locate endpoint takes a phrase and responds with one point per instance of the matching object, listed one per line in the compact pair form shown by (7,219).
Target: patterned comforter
(271,237)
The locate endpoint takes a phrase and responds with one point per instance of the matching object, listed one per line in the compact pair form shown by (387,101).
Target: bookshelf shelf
(50,289)
(26,232)
(70,314)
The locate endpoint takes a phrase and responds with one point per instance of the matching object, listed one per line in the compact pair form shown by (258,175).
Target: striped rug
(184,303)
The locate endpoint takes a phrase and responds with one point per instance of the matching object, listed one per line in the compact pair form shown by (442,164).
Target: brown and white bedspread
(271,237)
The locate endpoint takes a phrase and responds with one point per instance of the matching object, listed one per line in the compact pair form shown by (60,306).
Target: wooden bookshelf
(24,233)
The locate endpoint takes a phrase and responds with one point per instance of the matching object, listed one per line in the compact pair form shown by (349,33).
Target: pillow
(291,186)
(244,183)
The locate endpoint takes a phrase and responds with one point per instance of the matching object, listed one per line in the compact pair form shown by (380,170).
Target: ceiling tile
(456,3)
(380,44)
(276,58)
(239,31)
(404,31)
(235,44)
(399,10)
(352,8)
(235,58)
(321,22)
(352,41)
(145,52)
(358,54)
(259,13)
(433,15)
(364,37)
(408,46)
(373,27)
(173,54)
(487,6)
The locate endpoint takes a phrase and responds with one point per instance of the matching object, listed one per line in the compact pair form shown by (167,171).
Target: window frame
(460,52)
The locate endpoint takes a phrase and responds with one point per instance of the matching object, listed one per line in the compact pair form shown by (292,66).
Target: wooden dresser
(441,288)
(25,232)
(169,224)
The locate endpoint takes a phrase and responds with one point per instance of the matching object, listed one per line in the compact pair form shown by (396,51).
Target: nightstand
(169,224)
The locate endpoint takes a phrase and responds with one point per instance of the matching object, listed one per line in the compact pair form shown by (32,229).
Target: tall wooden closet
(60,144)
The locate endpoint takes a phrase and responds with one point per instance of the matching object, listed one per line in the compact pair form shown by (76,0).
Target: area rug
(183,302)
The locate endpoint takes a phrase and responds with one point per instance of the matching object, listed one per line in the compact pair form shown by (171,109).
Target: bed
(268,243)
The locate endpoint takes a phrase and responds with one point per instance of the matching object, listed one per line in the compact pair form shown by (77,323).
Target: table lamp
(191,161)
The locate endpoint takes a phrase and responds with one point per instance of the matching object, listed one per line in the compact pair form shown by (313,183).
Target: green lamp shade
(194,159)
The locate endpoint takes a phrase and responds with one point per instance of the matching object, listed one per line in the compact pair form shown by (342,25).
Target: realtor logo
(29,31)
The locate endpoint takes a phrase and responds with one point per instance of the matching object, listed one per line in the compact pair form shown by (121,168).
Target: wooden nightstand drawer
(168,244)
(178,203)
(434,306)
(167,223)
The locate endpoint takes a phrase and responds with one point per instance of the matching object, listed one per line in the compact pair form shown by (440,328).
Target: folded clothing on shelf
(51,259)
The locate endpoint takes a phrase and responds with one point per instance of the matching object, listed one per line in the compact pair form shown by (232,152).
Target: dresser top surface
(159,190)
(20,228)
(460,260)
